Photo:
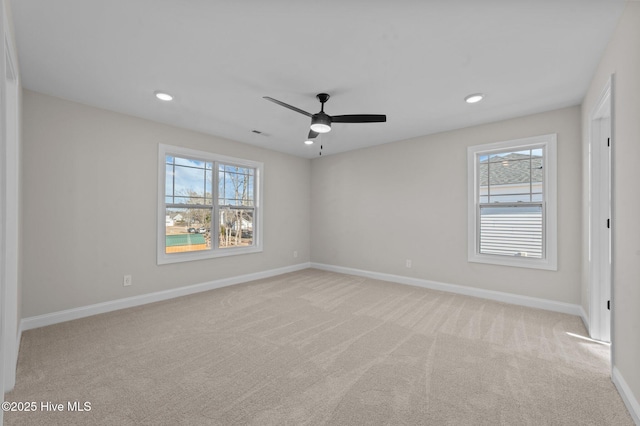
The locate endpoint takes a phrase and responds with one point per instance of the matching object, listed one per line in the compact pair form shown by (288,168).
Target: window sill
(518,262)
(164,258)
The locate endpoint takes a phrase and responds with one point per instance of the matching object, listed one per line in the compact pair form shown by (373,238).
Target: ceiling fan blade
(312,134)
(291,107)
(359,118)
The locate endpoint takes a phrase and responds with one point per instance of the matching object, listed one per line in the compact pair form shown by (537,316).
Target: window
(208,205)
(512,203)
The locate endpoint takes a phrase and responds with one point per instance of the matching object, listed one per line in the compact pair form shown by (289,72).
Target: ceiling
(412,60)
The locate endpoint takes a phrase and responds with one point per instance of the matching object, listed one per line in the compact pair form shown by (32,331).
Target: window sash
(514,233)
(498,160)
(186,165)
(228,231)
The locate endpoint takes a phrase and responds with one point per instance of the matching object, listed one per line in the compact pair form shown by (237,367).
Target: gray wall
(374,208)
(622,57)
(90,194)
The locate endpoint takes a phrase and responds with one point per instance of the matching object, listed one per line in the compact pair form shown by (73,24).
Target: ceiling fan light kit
(321,123)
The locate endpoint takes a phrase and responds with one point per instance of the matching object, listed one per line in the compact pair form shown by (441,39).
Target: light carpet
(313,348)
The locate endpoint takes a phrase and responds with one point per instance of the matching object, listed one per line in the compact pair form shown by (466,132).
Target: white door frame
(2,209)
(10,205)
(601,141)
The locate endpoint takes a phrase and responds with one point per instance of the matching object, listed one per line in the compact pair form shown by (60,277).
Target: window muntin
(196,227)
(512,210)
(511,176)
(236,185)
(188,181)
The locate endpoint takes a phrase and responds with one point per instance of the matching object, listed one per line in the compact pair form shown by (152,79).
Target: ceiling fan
(321,122)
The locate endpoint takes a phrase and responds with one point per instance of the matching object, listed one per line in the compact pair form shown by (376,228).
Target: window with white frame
(208,205)
(512,203)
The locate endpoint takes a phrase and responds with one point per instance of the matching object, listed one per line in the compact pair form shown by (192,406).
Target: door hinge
(609,304)
(608,223)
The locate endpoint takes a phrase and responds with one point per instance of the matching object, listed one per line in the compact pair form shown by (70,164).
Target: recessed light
(472,99)
(163,96)
(308,142)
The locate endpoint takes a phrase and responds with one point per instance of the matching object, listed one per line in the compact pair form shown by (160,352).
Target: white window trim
(550,237)
(162,256)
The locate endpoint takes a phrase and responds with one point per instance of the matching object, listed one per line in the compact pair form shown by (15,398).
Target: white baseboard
(532,302)
(17,353)
(627,395)
(100,308)
(10,377)
(129,302)
(585,319)
(18,340)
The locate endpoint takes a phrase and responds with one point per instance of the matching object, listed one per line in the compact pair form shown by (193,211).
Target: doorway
(600,218)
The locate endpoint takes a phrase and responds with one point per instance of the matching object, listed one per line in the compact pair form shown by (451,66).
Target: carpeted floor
(315,347)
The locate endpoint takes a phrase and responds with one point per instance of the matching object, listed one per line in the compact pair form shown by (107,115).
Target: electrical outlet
(295,253)
(126,281)
(408,263)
